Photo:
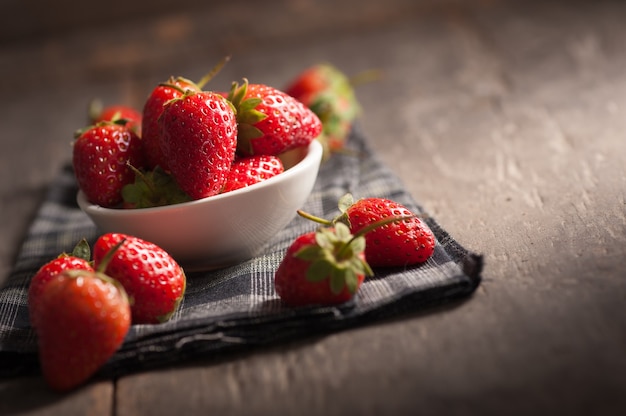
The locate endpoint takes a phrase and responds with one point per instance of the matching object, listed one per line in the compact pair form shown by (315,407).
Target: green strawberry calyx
(337,253)
(100,272)
(81,250)
(117,120)
(336,256)
(247,115)
(174,82)
(154,188)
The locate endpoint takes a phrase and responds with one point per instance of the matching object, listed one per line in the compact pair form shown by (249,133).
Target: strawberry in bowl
(214,204)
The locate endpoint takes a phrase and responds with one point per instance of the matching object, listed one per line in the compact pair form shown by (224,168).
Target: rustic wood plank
(505,119)
(478,117)
(31,396)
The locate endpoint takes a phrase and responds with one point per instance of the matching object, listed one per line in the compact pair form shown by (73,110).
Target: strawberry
(270,121)
(84,317)
(246,171)
(101,157)
(174,87)
(325,267)
(399,243)
(77,260)
(199,139)
(151,277)
(153,107)
(98,113)
(329,93)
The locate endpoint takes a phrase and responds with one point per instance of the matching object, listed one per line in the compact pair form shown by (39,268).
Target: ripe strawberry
(98,113)
(199,139)
(270,121)
(246,171)
(400,243)
(152,278)
(77,260)
(329,93)
(322,268)
(84,317)
(101,155)
(161,94)
(153,108)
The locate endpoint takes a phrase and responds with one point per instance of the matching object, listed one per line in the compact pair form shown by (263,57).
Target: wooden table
(505,119)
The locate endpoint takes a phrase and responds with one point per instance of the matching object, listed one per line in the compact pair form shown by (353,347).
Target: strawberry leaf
(319,270)
(325,239)
(358,244)
(345,202)
(237,93)
(343,232)
(82,250)
(153,189)
(336,255)
(337,280)
(247,106)
(309,253)
(351,279)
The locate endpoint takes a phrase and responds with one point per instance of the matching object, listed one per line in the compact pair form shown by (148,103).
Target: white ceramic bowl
(224,229)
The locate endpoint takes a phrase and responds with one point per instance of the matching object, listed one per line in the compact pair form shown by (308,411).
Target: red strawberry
(78,260)
(98,113)
(322,268)
(101,155)
(161,94)
(330,95)
(153,108)
(400,243)
(199,139)
(84,317)
(246,171)
(270,121)
(151,277)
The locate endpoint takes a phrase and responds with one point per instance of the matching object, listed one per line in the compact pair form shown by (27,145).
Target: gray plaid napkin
(236,308)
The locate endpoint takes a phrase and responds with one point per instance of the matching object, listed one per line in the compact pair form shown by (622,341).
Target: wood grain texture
(505,119)
(31,396)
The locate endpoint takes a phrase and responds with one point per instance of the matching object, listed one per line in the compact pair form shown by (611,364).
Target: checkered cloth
(236,308)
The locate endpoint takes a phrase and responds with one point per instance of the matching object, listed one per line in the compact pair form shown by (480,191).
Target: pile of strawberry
(189,143)
(82,308)
(328,266)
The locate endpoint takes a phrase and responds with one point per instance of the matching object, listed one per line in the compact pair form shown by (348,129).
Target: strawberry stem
(94,109)
(172,86)
(214,71)
(108,256)
(375,225)
(312,217)
(342,252)
(141,176)
(381,223)
(365,77)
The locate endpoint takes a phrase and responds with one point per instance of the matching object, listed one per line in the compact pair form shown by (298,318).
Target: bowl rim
(313,156)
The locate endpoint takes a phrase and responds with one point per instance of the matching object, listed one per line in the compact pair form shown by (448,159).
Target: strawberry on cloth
(238,307)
